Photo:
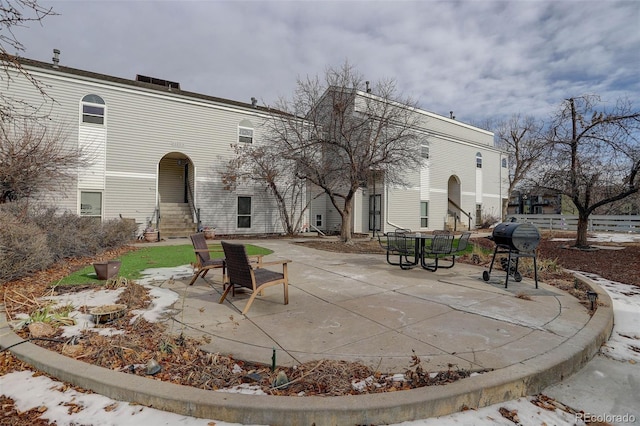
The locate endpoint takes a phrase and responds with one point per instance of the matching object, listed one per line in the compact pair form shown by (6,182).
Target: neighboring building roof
(168,88)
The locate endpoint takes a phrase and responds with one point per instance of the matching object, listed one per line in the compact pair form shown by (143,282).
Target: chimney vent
(56,57)
(254,102)
(451,116)
(368,88)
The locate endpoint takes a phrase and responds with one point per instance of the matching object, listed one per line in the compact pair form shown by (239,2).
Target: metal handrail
(468,215)
(192,206)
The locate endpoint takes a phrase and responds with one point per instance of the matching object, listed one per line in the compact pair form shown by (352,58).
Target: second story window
(479,160)
(93,109)
(245,135)
(424,150)
(245,132)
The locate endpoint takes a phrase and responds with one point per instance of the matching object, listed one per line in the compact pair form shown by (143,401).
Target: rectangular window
(319,220)
(424,150)
(91,204)
(244,212)
(478,214)
(92,114)
(245,135)
(424,214)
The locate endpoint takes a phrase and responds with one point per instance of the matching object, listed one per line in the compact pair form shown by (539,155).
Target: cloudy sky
(480,59)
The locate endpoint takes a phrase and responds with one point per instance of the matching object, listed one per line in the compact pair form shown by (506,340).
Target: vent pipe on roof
(451,116)
(56,57)
(254,102)
(368,88)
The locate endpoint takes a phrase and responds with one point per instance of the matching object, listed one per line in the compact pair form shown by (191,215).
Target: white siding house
(463,178)
(156,151)
(153,150)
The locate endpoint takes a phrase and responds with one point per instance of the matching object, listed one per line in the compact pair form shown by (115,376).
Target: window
(504,163)
(245,132)
(478,214)
(424,214)
(244,212)
(245,135)
(424,150)
(93,109)
(91,204)
(319,220)
(479,160)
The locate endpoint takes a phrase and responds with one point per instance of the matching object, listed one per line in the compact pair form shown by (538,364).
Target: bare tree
(33,159)
(521,138)
(596,155)
(339,131)
(14,14)
(263,165)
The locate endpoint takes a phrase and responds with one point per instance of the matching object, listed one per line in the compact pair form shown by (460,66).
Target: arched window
(93,109)
(479,160)
(245,132)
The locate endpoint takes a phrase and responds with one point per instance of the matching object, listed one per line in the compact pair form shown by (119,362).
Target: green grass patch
(134,262)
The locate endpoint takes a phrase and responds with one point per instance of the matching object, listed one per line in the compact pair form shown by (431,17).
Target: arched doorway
(176,191)
(175,178)
(453,202)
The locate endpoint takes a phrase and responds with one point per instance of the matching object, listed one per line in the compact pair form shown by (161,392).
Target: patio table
(420,240)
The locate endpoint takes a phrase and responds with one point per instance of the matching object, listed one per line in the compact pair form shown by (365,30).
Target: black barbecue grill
(516,240)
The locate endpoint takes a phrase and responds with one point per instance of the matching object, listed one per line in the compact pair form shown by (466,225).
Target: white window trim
(250,215)
(80,192)
(240,128)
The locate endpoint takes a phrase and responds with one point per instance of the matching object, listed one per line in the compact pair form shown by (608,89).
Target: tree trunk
(345,227)
(583,222)
(505,207)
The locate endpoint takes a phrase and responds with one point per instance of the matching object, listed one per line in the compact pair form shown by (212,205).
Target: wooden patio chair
(204,262)
(242,273)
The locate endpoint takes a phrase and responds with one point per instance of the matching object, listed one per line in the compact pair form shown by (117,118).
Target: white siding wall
(142,127)
(93,141)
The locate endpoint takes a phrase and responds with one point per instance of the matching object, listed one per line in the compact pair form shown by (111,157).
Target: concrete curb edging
(509,383)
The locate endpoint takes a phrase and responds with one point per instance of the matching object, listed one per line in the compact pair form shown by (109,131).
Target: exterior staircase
(454,224)
(176,220)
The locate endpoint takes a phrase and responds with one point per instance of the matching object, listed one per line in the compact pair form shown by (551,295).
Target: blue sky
(480,59)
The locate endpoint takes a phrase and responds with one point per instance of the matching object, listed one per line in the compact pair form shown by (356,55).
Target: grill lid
(517,236)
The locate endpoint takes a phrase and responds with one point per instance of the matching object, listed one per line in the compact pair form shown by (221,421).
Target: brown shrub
(117,232)
(23,248)
(36,236)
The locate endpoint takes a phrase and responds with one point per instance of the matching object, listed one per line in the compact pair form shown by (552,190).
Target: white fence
(603,223)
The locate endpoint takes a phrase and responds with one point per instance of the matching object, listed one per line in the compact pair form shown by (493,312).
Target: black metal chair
(463,242)
(398,244)
(242,273)
(440,248)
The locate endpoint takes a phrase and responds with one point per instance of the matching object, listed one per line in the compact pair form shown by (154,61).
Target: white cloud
(480,59)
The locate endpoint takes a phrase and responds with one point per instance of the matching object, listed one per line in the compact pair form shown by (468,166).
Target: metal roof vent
(254,102)
(158,82)
(56,57)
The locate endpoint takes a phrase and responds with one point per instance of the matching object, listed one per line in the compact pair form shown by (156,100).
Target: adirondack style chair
(204,262)
(242,273)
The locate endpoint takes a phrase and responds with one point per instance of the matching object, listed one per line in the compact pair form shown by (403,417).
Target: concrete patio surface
(356,307)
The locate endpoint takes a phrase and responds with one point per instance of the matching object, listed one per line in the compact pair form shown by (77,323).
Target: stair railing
(195,212)
(468,215)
